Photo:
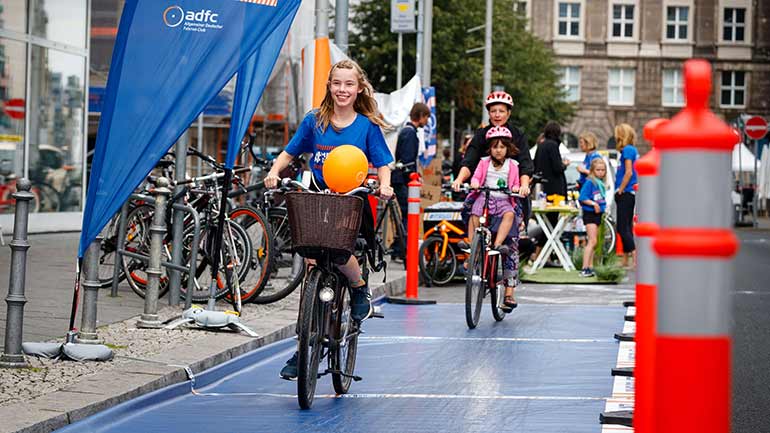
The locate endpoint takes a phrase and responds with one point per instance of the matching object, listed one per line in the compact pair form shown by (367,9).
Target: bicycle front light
(326,294)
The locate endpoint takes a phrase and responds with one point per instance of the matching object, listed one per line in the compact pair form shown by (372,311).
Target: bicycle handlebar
(467,188)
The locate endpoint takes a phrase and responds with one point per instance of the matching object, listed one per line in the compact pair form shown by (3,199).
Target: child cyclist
(348,115)
(499,169)
(592,199)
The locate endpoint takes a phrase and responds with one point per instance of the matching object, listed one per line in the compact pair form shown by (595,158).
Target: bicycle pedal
(377,315)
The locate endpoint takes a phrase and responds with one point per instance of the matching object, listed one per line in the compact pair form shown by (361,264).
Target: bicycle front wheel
(497,291)
(435,268)
(260,234)
(609,235)
(474,282)
(288,268)
(309,340)
(346,344)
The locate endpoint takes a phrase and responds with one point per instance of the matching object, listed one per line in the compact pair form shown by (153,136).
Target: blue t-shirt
(362,133)
(590,156)
(592,191)
(631,154)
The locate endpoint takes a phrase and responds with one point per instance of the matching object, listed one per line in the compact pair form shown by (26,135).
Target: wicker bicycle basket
(323,223)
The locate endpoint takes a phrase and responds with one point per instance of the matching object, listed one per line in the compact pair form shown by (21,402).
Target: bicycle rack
(120,251)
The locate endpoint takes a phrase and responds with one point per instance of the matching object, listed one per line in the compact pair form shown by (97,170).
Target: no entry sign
(14,108)
(756,127)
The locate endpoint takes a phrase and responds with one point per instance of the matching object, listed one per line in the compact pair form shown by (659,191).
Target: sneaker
(360,303)
(586,273)
(463,245)
(289,371)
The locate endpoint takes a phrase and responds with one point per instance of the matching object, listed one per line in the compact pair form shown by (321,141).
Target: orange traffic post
(695,246)
(647,169)
(412,245)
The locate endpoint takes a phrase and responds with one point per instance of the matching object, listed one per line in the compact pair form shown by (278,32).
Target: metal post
(321,19)
(427,39)
(180,169)
(14,324)
(200,143)
(695,246)
(452,129)
(418,56)
(400,62)
(149,318)
(341,25)
(487,86)
(87,334)
(756,184)
(120,243)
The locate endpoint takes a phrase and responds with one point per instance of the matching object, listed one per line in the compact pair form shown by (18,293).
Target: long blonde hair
(624,135)
(364,104)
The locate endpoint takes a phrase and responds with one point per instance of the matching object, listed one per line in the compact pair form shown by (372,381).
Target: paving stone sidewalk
(52,394)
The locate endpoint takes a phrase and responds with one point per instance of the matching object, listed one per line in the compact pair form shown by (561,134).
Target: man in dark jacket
(407,148)
(549,162)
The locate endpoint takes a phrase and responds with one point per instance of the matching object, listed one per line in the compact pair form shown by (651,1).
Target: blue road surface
(544,369)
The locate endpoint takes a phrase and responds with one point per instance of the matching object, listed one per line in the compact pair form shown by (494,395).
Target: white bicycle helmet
(499,98)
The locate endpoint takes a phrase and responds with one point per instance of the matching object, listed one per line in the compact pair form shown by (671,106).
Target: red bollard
(695,246)
(412,246)
(647,169)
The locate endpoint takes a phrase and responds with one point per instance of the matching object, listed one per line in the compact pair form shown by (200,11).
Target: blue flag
(170,59)
(429,95)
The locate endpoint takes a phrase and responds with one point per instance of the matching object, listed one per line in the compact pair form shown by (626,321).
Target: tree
(521,63)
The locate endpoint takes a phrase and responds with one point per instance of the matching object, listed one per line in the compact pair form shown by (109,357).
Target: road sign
(756,127)
(402,16)
(14,108)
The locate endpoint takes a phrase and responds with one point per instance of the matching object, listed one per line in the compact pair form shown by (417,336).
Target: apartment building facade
(621,60)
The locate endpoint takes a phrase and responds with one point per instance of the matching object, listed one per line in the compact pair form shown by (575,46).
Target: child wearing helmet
(499,169)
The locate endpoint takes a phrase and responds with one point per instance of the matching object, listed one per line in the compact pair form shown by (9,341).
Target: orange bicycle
(439,254)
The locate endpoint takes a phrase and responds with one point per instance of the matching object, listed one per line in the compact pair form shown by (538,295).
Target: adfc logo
(173,16)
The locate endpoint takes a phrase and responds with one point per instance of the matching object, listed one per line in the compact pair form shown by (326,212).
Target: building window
(622,21)
(570,81)
(520,8)
(733,89)
(569,19)
(677,18)
(621,84)
(673,88)
(734,26)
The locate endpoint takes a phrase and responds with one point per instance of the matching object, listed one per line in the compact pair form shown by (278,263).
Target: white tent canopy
(764,174)
(743,159)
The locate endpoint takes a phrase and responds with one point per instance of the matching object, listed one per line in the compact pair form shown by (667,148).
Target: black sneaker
(289,371)
(504,250)
(360,303)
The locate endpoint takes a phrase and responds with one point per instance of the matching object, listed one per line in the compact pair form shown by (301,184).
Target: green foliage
(577,257)
(521,63)
(610,270)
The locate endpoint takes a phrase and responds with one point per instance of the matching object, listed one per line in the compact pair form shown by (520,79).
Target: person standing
(550,165)
(588,143)
(625,196)
(407,147)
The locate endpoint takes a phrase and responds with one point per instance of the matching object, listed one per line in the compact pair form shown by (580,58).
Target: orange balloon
(345,168)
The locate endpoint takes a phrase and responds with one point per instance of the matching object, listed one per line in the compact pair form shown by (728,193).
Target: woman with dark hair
(549,163)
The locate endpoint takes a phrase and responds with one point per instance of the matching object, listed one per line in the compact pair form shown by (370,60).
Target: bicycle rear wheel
(309,340)
(439,271)
(260,234)
(288,268)
(474,282)
(346,338)
(497,291)
(138,224)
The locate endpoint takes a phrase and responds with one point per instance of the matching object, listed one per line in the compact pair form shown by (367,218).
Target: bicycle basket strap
(323,222)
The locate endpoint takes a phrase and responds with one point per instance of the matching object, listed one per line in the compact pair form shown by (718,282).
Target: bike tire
(474,286)
(241,244)
(254,222)
(432,267)
(309,340)
(288,268)
(400,230)
(497,291)
(610,236)
(109,254)
(343,356)
(138,222)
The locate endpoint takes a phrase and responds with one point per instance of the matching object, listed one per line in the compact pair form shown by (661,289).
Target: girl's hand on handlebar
(386,191)
(271,180)
(474,184)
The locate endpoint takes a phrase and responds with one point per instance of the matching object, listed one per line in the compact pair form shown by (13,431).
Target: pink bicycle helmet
(499,132)
(499,98)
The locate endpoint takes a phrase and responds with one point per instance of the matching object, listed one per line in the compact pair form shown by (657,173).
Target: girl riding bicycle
(499,170)
(348,115)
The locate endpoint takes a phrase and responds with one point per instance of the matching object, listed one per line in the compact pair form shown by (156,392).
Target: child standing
(499,170)
(593,200)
